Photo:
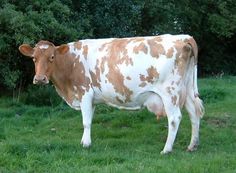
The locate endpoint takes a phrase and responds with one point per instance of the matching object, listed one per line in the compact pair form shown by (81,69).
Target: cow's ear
(26,50)
(63,49)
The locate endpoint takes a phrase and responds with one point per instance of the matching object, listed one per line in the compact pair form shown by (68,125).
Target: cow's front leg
(87,110)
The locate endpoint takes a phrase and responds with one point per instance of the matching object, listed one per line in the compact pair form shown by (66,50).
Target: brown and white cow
(157,72)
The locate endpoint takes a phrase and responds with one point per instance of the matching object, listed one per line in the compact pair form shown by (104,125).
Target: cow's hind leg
(195,122)
(174,117)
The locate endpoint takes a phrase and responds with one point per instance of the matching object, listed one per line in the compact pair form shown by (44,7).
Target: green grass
(47,139)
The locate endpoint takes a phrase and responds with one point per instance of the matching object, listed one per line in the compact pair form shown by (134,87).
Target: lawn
(47,139)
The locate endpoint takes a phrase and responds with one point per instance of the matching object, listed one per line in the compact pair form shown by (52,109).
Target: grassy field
(47,139)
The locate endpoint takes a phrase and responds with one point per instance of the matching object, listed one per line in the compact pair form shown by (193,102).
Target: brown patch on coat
(78,45)
(141,47)
(178,44)
(64,77)
(80,79)
(137,39)
(118,54)
(143,84)
(128,77)
(174,100)
(102,66)
(190,41)
(173,124)
(96,76)
(132,39)
(156,48)
(152,75)
(119,100)
(170,52)
(182,56)
(152,71)
(157,39)
(126,59)
(85,51)
(102,47)
(168,89)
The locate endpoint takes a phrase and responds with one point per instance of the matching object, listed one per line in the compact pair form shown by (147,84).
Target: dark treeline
(211,22)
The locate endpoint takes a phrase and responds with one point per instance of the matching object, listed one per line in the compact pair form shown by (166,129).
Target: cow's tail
(192,88)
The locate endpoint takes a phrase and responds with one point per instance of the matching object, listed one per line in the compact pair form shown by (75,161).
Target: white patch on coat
(75,88)
(44,46)
(73,50)
(75,104)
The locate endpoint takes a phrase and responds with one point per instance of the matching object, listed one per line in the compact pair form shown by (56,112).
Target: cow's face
(43,55)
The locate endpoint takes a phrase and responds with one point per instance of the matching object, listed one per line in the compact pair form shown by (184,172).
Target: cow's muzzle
(40,79)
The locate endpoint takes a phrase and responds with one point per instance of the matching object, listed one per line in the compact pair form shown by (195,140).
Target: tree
(29,22)
(211,22)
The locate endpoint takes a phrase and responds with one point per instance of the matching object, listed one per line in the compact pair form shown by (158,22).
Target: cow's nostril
(35,81)
(40,79)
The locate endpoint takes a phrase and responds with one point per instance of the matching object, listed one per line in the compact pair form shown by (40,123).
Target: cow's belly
(137,99)
(148,99)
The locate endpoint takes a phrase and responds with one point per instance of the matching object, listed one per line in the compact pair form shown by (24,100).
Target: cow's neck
(69,78)
(62,77)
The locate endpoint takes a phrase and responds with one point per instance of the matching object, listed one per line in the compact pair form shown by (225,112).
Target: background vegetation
(211,22)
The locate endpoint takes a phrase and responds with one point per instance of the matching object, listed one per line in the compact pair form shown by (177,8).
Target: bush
(213,25)
(212,95)
(44,95)
(103,109)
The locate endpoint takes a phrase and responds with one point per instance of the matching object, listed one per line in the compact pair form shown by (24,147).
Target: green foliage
(212,94)
(223,21)
(41,96)
(102,108)
(9,77)
(212,23)
(112,18)
(29,22)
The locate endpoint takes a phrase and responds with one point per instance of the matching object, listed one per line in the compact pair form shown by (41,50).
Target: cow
(156,72)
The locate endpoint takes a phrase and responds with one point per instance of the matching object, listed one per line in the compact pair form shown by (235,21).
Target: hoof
(192,148)
(85,144)
(164,152)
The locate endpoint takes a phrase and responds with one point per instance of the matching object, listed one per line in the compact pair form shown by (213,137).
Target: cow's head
(43,54)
